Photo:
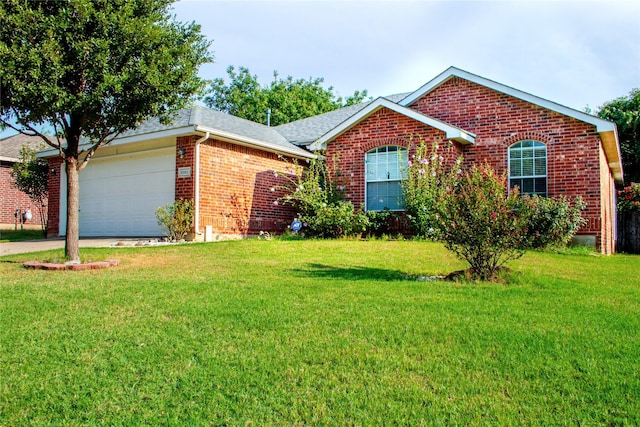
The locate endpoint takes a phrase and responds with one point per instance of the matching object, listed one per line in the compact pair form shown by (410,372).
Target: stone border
(37,265)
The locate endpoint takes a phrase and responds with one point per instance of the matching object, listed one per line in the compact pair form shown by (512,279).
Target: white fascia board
(9,159)
(255,143)
(600,124)
(185,130)
(451,132)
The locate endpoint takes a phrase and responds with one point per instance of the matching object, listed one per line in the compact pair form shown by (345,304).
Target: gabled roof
(201,120)
(306,131)
(605,128)
(452,132)
(11,145)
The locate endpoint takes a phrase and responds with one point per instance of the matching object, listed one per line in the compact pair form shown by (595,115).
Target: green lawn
(321,333)
(19,235)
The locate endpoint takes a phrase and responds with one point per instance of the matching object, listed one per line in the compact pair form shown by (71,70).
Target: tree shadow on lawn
(351,273)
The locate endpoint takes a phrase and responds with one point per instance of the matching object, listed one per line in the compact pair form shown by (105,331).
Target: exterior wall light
(182,152)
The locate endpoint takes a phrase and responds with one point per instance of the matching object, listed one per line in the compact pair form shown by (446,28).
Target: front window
(528,167)
(385,168)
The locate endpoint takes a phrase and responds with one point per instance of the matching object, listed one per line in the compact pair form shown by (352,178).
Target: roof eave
(451,132)
(255,143)
(612,152)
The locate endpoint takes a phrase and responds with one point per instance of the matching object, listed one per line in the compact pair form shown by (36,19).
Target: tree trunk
(72,242)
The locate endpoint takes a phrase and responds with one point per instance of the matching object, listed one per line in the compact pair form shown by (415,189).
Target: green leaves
(625,112)
(288,99)
(96,67)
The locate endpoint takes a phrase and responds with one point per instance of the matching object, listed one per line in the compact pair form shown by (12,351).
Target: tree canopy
(287,99)
(625,112)
(93,69)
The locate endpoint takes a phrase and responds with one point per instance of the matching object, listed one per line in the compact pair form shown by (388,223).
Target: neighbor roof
(11,145)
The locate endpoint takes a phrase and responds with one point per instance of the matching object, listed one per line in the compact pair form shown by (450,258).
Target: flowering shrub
(480,223)
(629,198)
(318,198)
(426,183)
(176,218)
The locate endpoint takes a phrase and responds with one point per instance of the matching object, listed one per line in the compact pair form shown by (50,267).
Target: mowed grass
(321,333)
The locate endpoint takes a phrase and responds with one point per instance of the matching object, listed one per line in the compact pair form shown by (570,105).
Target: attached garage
(119,194)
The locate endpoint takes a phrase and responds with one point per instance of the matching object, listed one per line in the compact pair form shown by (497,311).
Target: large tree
(93,69)
(625,112)
(287,99)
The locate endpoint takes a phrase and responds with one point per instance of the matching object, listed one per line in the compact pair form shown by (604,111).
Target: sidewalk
(12,248)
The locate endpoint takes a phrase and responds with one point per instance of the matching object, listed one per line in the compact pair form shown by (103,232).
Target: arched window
(528,167)
(385,168)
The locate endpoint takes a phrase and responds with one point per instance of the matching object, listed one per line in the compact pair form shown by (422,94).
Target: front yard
(318,332)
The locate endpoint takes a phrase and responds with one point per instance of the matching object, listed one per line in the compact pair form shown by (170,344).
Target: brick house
(227,164)
(13,200)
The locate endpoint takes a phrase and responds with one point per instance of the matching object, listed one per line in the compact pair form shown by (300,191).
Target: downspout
(197,182)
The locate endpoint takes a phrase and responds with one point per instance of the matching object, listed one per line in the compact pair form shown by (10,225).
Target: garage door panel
(119,195)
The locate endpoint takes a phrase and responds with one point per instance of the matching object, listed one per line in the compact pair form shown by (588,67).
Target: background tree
(288,99)
(625,112)
(31,177)
(93,69)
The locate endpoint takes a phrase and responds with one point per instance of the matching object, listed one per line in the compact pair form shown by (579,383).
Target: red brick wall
(236,183)
(499,120)
(53,228)
(384,127)
(12,199)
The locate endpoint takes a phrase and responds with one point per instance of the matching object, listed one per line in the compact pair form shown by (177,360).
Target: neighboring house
(12,200)
(230,165)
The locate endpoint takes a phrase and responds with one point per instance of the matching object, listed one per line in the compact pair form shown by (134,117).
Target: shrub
(384,222)
(176,218)
(480,223)
(629,198)
(551,221)
(426,182)
(318,198)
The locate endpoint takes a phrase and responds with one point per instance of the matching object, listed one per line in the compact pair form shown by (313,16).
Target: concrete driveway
(13,248)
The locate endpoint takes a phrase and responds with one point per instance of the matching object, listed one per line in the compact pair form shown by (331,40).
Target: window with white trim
(528,167)
(385,168)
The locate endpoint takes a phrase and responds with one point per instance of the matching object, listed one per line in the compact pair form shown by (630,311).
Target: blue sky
(576,53)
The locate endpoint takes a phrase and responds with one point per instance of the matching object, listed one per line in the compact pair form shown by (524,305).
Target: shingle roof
(11,145)
(306,131)
(197,116)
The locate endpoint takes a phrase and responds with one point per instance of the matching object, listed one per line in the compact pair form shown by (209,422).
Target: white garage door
(120,194)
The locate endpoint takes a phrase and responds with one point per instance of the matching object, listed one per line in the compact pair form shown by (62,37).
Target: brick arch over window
(528,166)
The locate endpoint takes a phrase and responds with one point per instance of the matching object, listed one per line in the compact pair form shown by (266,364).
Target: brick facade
(384,127)
(575,157)
(55,164)
(13,199)
(236,183)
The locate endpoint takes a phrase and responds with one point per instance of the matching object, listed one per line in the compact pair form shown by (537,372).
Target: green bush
(336,220)
(318,198)
(551,221)
(384,222)
(176,218)
(480,223)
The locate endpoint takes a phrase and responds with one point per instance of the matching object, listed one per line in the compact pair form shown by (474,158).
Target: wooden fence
(628,232)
